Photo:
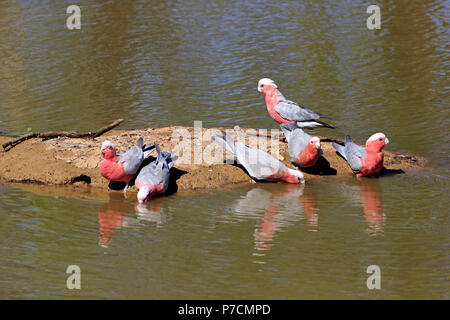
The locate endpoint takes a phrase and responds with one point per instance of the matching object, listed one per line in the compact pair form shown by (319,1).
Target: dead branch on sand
(55,134)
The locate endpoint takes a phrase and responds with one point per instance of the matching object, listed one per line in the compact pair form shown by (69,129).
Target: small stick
(56,134)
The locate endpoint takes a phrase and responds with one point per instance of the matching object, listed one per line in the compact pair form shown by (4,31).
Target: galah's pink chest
(282,175)
(276,175)
(271,102)
(307,159)
(114,171)
(372,163)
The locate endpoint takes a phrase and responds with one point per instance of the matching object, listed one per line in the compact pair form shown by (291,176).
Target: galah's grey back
(292,111)
(158,171)
(133,157)
(259,164)
(297,139)
(351,152)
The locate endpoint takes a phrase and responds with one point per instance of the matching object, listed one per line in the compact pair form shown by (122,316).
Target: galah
(259,164)
(364,161)
(304,150)
(153,179)
(286,111)
(123,167)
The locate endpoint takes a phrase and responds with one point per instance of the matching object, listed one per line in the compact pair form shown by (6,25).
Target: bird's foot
(125,190)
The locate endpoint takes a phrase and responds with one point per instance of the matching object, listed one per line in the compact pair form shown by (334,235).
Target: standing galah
(286,111)
(364,161)
(123,167)
(153,179)
(304,150)
(259,164)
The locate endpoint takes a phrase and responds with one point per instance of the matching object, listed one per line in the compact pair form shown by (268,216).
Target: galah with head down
(259,164)
(304,150)
(153,179)
(286,111)
(364,161)
(123,167)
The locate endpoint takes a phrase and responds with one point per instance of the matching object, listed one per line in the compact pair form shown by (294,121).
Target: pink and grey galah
(364,161)
(304,150)
(259,164)
(286,111)
(153,179)
(123,167)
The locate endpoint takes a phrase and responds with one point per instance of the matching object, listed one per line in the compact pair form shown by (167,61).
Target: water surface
(169,63)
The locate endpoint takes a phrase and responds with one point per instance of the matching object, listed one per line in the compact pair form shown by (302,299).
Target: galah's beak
(141,201)
(318,145)
(259,89)
(386,141)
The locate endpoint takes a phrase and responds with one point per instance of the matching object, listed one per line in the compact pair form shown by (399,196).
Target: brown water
(159,64)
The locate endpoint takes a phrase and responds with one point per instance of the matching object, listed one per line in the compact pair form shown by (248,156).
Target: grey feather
(140,143)
(297,139)
(259,164)
(158,171)
(306,118)
(227,144)
(291,111)
(132,158)
(352,153)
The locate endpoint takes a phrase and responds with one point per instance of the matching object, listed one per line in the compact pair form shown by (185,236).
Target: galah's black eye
(262,86)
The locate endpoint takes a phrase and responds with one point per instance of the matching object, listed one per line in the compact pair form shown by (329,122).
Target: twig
(55,134)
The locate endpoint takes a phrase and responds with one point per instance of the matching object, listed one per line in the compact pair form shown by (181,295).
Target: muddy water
(173,63)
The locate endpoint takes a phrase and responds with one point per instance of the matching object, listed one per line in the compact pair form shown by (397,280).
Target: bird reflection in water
(371,199)
(281,205)
(367,193)
(111,217)
(150,212)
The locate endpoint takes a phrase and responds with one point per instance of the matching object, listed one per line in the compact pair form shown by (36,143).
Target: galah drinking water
(364,161)
(123,167)
(304,150)
(154,178)
(259,164)
(286,111)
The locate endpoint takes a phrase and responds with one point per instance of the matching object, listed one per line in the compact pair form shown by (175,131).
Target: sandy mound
(70,161)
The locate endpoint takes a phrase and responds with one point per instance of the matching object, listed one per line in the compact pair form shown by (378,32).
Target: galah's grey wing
(296,137)
(132,159)
(298,143)
(354,153)
(291,111)
(162,169)
(168,160)
(165,178)
(259,164)
(140,143)
(148,175)
(287,129)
